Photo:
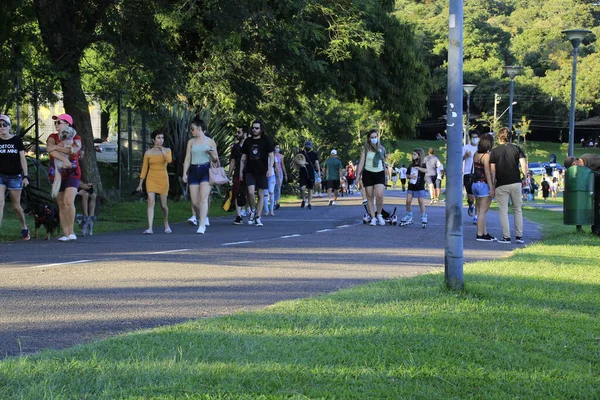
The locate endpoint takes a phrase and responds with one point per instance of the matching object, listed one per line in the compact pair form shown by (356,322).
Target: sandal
(147,232)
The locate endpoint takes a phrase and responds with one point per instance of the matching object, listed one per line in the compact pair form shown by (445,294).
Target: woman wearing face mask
(416,188)
(280,174)
(371,172)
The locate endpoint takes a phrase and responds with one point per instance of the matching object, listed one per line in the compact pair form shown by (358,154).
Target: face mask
(374,140)
(276,150)
(475,140)
(307,148)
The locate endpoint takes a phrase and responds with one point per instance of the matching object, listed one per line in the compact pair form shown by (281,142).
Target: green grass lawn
(524,327)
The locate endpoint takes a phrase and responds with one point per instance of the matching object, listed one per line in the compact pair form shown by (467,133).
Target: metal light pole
(512,71)
(576,36)
(468,88)
(453,254)
(503,112)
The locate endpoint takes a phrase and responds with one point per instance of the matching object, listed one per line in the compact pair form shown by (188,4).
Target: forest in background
(320,70)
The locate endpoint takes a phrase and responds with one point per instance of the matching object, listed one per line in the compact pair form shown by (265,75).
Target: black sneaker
(309,206)
(277,206)
(504,240)
(302,204)
(25,234)
(238,220)
(330,202)
(519,239)
(485,238)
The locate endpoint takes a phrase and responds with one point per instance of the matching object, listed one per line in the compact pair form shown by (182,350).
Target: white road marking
(343,226)
(233,243)
(171,251)
(289,236)
(324,230)
(59,264)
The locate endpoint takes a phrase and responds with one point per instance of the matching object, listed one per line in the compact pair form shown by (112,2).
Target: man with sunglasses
(13,172)
(234,169)
(255,166)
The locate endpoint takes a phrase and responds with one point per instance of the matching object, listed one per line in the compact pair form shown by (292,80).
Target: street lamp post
(503,112)
(468,88)
(512,71)
(575,36)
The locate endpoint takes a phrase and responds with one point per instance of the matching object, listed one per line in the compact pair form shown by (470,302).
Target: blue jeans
(271,180)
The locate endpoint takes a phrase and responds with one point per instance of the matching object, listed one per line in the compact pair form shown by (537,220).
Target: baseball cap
(5,119)
(64,117)
(334,152)
(308,144)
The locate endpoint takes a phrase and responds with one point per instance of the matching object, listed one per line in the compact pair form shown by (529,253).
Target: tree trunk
(66,28)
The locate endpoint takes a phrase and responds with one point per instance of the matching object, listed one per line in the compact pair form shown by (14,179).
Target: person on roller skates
(416,188)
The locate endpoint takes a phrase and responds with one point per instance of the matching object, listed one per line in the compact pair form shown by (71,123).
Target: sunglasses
(59,122)
(255,128)
(4,125)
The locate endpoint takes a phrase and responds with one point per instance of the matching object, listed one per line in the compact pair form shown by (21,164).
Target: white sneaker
(258,222)
(63,239)
(206,221)
(373,222)
(243,213)
(192,220)
(72,236)
(380,220)
(201,230)
(334,203)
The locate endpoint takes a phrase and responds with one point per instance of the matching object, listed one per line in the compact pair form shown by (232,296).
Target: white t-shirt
(468,162)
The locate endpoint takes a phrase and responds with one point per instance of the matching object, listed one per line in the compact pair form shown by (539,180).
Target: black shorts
(333,184)
(467,184)
(305,181)
(373,178)
(430,179)
(258,181)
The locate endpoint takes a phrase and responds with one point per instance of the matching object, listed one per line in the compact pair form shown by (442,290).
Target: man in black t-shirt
(255,166)
(504,164)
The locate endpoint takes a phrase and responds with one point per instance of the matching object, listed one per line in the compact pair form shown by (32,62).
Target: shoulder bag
(217,175)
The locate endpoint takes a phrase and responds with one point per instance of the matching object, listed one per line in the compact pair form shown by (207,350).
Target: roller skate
(424,220)
(407,219)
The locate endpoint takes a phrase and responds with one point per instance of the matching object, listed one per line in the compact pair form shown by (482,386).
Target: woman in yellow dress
(154,172)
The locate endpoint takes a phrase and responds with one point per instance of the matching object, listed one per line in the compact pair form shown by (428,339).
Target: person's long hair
(486,142)
(421,154)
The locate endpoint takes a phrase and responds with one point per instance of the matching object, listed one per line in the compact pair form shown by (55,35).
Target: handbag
(217,175)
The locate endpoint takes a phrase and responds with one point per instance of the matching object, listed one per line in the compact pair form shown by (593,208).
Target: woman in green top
(371,172)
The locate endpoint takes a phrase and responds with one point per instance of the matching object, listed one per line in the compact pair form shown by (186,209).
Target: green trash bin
(578,202)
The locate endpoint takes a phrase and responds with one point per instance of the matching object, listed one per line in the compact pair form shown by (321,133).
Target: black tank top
(478,171)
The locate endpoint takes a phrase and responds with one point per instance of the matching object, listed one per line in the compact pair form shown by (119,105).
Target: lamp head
(469,87)
(513,70)
(576,36)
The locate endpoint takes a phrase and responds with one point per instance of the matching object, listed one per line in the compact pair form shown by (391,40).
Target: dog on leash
(61,161)
(86,224)
(45,215)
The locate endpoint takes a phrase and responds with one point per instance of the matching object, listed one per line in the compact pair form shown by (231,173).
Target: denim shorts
(417,194)
(12,182)
(480,189)
(198,173)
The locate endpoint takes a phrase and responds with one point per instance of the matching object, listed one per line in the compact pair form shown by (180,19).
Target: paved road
(55,295)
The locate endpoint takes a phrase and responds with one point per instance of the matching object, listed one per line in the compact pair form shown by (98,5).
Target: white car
(106,152)
(536,168)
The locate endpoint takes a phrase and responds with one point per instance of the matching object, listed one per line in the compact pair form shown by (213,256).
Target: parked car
(537,168)
(106,152)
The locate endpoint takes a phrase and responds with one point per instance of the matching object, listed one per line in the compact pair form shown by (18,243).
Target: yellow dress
(154,171)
